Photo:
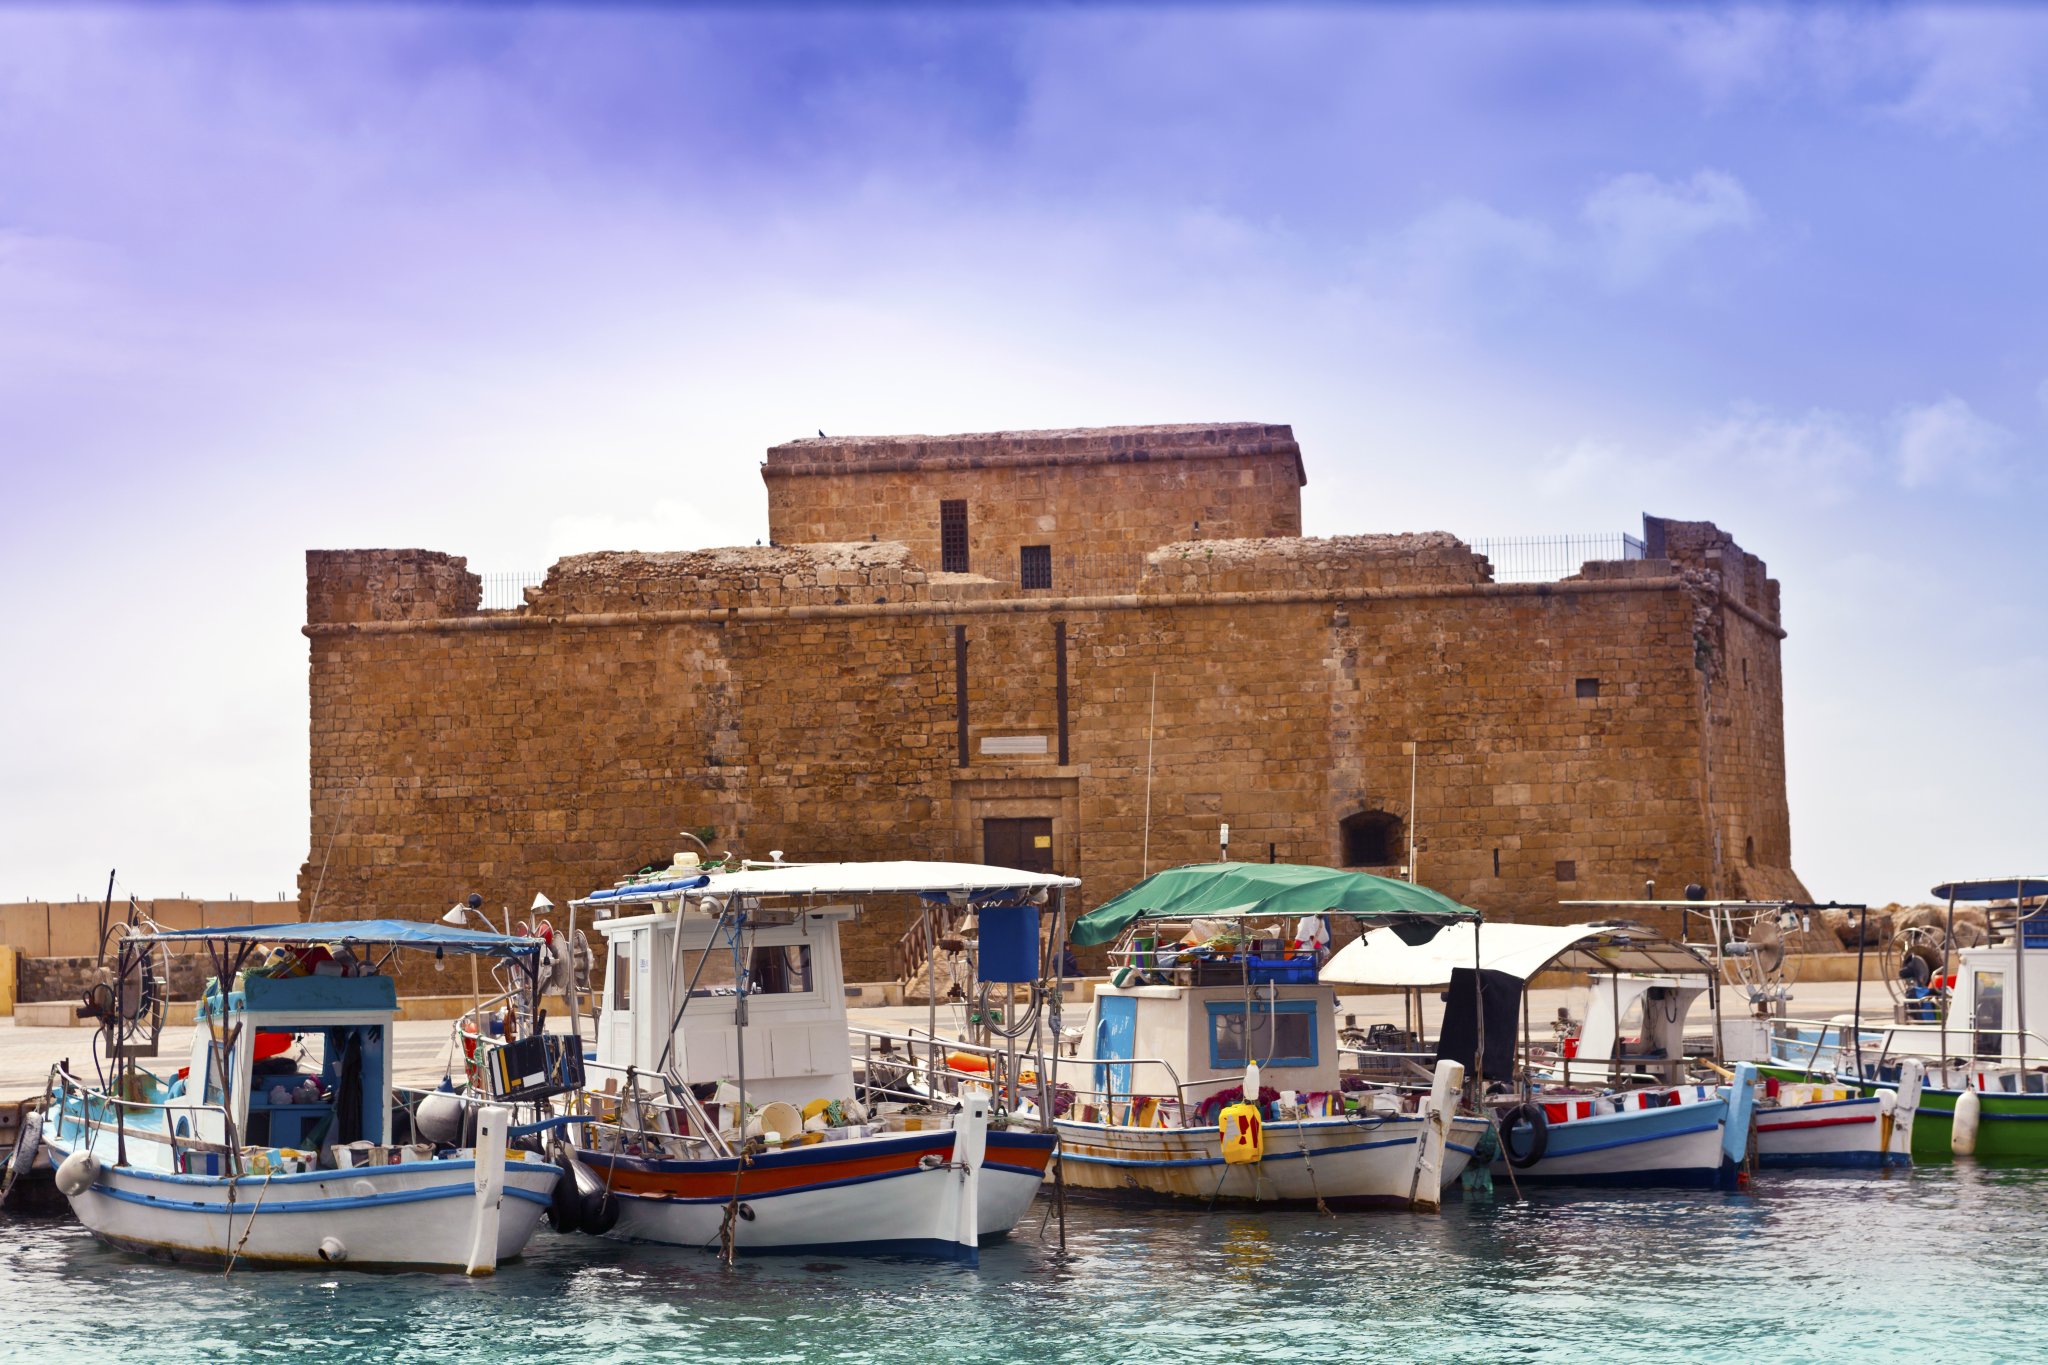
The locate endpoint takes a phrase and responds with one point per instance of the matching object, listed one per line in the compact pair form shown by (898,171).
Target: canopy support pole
(1948,990)
(1720,1048)
(1479,1009)
(1862,938)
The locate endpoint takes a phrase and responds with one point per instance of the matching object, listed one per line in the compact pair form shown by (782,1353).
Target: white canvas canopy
(964,881)
(1380,958)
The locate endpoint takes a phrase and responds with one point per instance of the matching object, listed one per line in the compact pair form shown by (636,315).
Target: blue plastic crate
(1283,971)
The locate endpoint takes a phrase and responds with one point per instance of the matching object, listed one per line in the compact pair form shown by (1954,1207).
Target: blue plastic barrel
(1009,943)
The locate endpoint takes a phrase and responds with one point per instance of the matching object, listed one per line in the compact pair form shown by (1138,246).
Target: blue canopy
(1993,889)
(643,890)
(402,933)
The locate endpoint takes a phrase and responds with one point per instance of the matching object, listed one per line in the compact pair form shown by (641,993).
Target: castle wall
(805,699)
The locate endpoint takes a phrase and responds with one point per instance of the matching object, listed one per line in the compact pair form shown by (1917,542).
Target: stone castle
(1088,650)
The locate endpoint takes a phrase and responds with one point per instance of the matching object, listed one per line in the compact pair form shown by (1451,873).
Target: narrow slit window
(1034,566)
(953,535)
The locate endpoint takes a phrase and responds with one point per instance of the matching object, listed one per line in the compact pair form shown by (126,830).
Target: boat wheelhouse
(1616,1109)
(1212,1071)
(279,1143)
(724,1104)
(1975,1019)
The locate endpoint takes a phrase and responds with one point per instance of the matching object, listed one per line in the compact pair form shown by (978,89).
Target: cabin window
(1987,1014)
(1283,1033)
(782,970)
(622,976)
(1372,838)
(953,535)
(771,970)
(214,1090)
(1034,566)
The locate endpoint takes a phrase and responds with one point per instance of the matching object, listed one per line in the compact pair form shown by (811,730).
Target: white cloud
(1945,443)
(1818,456)
(1640,222)
(1463,247)
(1975,72)
(664,524)
(1581,467)
(1728,52)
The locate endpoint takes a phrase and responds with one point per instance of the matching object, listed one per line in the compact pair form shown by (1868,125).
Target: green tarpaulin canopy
(1249,889)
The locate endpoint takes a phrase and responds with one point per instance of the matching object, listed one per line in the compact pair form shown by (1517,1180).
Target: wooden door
(1022,844)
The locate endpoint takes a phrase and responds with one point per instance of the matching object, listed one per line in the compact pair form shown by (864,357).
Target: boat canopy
(960,883)
(1245,890)
(1380,958)
(1993,889)
(957,882)
(402,933)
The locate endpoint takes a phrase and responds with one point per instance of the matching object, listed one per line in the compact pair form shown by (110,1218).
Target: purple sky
(520,283)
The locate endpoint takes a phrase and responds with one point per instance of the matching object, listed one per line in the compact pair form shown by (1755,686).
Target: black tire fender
(565,1206)
(1515,1116)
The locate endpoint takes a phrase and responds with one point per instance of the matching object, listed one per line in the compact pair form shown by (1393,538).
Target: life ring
(1513,1117)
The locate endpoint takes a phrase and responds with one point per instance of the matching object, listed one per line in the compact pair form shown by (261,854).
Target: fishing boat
(1962,1018)
(278,1144)
(727,1115)
(1614,1108)
(1213,1073)
(1800,1122)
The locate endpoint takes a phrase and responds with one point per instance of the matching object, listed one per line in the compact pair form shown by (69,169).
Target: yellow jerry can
(1243,1133)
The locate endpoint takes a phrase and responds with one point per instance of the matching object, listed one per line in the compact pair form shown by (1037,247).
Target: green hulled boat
(1973,1031)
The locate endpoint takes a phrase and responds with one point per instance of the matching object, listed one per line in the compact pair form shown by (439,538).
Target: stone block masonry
(1570,740)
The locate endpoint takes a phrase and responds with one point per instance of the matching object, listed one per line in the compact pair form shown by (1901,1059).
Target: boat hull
(896,1195)
(2010,1126)
(1675,1146)
(1848,1132)
(1012,1173)
(417,1216)
(1340,1162)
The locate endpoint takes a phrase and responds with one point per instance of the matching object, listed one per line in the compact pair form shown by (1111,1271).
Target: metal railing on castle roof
(1545,559)
(507,591)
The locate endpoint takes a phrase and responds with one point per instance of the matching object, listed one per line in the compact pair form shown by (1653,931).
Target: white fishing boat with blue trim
(1618,1108)
(1213,1071)
(279,1144)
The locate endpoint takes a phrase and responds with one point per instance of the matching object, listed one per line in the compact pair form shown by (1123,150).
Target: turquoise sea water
(1943,1262)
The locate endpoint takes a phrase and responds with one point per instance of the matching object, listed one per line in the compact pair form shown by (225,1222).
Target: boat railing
(681,1116)
(1414,1069)
(62,1087)
(1265,960)
(1878,1048)
(1010,1075)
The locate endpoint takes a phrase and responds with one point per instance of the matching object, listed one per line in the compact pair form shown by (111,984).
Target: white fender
(1912,1076)
(1962,1137)
(1426,1184)
(491,1123)
(76,1174)
(970,1145)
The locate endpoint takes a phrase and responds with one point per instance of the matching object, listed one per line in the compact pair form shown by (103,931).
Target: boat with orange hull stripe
(725,1113)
